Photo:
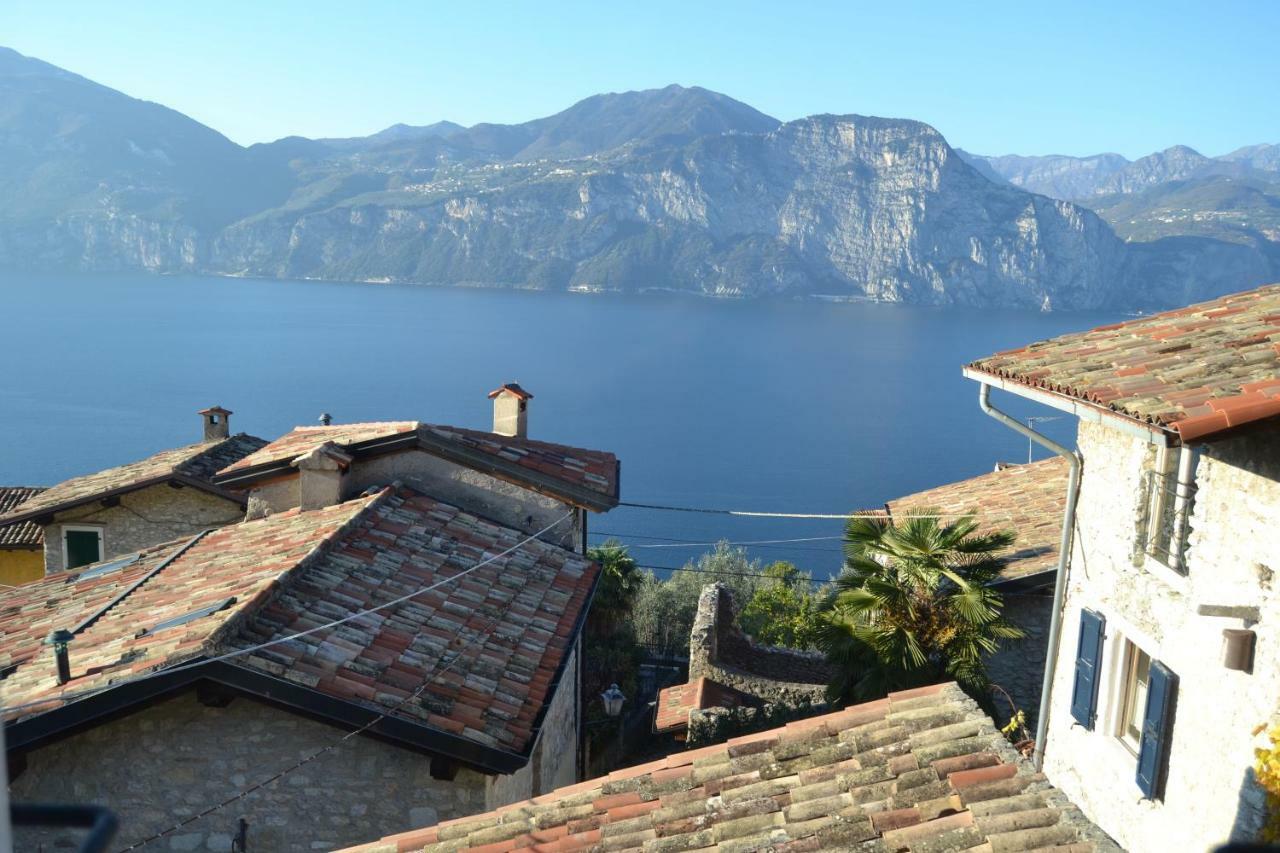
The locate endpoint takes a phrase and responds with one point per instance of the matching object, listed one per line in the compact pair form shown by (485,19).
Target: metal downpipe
(1064,559)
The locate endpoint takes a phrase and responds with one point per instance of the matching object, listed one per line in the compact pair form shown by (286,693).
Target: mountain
(845,206)
(1083,178)
(675,189)
(396,133)
(70,147)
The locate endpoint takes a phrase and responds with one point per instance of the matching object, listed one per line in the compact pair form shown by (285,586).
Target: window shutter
(1084,696)
(1162,688)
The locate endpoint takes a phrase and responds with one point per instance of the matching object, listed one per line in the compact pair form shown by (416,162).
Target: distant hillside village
(395,636)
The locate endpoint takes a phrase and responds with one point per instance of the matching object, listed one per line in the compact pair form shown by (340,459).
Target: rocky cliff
(671,189)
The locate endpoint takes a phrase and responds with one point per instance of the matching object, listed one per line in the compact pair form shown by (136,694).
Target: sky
(1030,78)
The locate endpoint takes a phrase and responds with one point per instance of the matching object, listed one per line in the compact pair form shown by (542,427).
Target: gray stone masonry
(141,519)
(1018,665)
(175,758)
(720,651)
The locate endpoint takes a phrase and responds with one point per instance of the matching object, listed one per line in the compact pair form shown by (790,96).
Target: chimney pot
(61,640)
(511,410)
(217,423)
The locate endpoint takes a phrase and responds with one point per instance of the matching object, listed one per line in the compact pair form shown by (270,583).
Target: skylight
(186,617)
(109,566)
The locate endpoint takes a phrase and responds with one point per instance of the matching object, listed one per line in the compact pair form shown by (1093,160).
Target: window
(81,546)
(1144,703)
(1133,696)
(1170,490)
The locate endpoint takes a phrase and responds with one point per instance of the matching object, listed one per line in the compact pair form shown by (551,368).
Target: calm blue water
(783,406)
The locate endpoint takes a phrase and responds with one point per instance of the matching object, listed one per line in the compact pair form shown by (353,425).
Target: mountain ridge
(674,188)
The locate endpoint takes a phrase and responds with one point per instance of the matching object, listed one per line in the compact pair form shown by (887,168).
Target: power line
(327,748)
(857,513)
(670,542)
(84,694)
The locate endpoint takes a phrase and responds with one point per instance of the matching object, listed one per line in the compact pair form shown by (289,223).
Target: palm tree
(914,605)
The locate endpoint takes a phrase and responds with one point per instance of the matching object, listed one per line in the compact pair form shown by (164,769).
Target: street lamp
(613,699)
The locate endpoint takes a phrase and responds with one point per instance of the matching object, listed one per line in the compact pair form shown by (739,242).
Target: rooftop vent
(61,642)
(511,410)
(217,423)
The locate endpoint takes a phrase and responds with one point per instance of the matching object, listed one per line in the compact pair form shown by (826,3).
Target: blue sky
(1031,78)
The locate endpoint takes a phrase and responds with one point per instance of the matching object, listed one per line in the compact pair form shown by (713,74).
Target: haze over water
(800,407)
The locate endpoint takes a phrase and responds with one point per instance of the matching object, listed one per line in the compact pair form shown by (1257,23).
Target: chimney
(61,640)
(510,410)
(217,423)
(321,476)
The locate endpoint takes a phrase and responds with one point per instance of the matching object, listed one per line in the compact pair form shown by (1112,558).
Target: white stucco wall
(1233,550)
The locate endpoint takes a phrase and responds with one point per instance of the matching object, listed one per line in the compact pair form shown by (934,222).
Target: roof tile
(1226,345)
(708,800)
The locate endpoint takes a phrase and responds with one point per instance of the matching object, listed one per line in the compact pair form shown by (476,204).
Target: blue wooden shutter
(1084,696)
(1162,688)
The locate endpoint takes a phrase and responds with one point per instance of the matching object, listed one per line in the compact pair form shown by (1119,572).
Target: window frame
(1132,702)
(99,529)
(1170,491)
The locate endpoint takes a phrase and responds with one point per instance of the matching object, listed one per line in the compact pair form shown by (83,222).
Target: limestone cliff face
(840,206)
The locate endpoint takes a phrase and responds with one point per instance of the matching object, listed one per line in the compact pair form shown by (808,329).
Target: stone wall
(1018,666)
(1234,546)
(141,519)
(554,762)
(720,651)
(177,757)
(458,485)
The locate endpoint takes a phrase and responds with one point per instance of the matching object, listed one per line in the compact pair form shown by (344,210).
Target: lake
(797,407)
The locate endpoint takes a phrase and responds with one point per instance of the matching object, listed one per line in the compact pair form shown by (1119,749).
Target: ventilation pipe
(61,642)
(1064,559)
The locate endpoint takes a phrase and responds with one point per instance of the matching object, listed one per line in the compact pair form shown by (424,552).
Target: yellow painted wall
(20,566)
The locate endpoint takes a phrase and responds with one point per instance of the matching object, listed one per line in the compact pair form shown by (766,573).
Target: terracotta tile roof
(1028,499)
(513,620)
(1195,371)
(922,770)
(675,702)
(195,464)
(24,534)
(301,440)
(241,561)
(534,462)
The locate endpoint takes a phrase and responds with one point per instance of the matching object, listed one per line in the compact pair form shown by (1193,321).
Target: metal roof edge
(1085,411)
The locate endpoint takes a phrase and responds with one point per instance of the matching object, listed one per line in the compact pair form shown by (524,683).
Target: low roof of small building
(1027,499)
(490,646)
(920,770)
(193,465)
(576,475)
(26,535)
(1195,372)
(677,701)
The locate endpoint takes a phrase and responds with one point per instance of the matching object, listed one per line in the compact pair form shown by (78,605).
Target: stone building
(729,670)
(920,770)
(527,484)
(1170,653)
(1027,499)
(398,659)
(21,544)
(122,510)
